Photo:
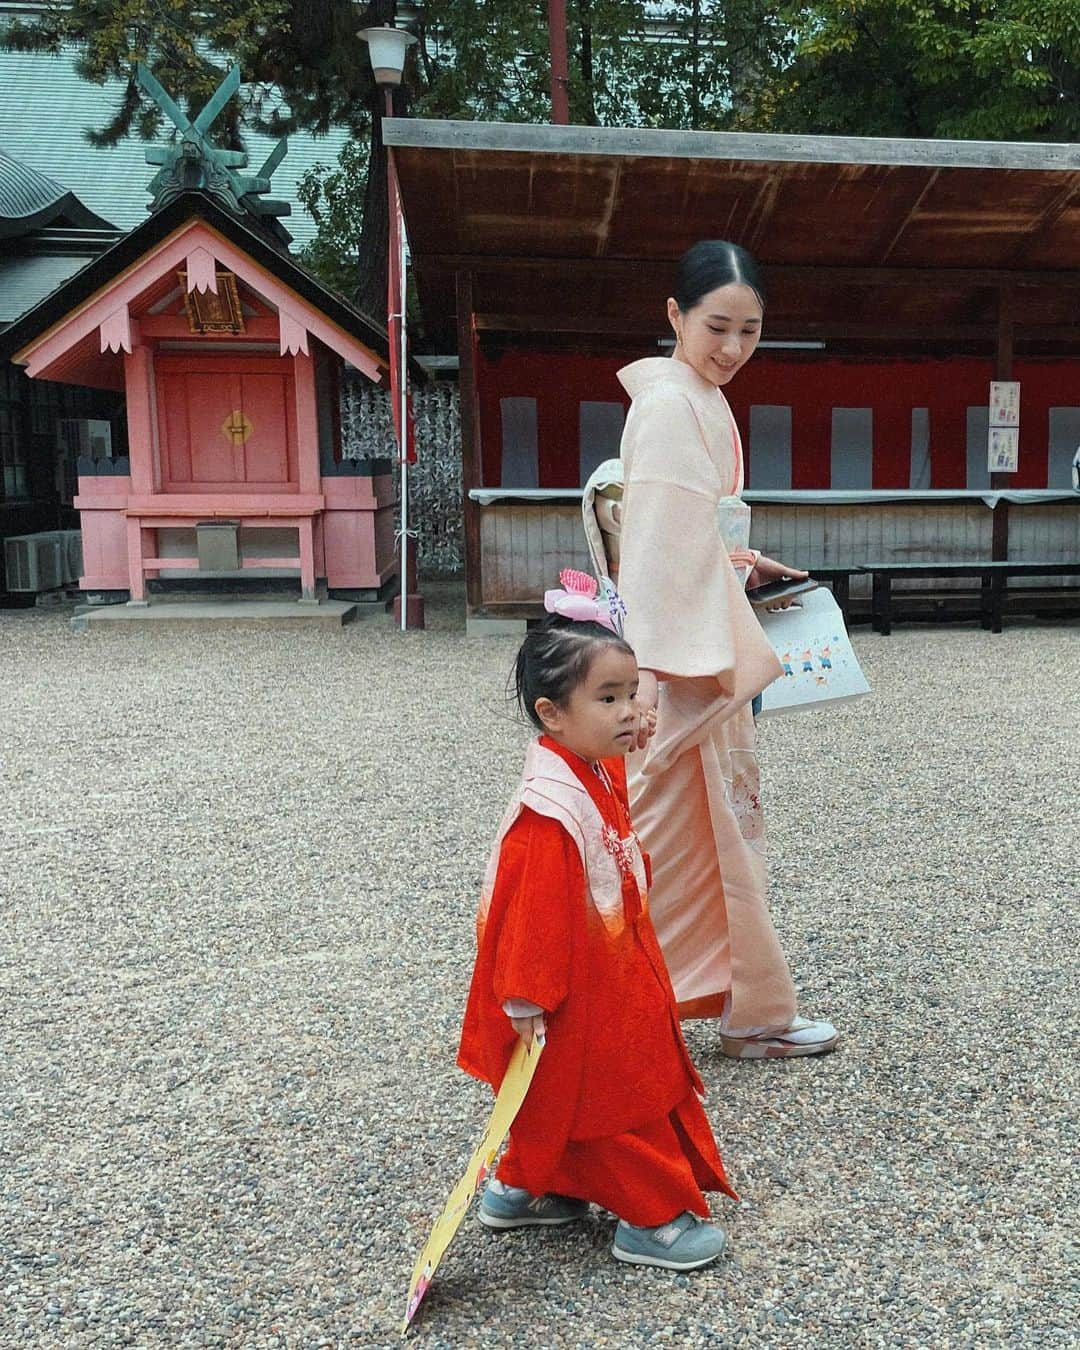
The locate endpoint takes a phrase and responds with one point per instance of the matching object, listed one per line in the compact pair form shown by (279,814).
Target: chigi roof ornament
(194,162)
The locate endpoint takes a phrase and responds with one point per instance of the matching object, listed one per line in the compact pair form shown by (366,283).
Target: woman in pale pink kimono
(694,791)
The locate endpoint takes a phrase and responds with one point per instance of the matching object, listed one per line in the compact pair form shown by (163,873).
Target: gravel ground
(239,875)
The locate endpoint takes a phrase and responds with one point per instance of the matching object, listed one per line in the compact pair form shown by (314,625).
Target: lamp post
(387,48)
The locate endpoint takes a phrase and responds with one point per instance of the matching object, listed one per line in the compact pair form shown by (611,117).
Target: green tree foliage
(306,51)
(993,69)
(684,63)
(971,69)
(334,195)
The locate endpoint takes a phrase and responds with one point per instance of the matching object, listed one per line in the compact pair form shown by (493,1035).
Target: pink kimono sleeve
(688,618)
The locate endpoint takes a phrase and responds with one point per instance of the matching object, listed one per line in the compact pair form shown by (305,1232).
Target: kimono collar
(638,376)
(595,783)
(582,767)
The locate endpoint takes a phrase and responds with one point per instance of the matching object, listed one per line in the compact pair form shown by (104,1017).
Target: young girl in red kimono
(566,950)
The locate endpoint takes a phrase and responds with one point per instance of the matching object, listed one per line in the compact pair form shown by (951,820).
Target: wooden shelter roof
(869,244)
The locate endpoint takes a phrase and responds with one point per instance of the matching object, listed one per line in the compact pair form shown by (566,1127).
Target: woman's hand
(768,569)
(529,1028)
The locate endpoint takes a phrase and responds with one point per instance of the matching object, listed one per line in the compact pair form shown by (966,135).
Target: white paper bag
(819,662)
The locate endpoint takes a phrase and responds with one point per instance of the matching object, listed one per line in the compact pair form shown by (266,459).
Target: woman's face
(718,336)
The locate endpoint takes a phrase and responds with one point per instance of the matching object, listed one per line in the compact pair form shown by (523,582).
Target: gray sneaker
(683,1244)
(513,1207)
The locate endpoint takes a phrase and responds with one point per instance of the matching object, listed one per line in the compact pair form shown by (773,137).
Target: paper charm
(515,1085)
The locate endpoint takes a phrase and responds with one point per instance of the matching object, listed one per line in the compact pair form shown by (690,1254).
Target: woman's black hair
(554,659)
(712,263)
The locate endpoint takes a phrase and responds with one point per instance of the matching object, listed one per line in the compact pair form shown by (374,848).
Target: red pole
(560,103)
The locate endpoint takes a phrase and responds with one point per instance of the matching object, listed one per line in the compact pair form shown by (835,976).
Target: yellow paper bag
(515,1084)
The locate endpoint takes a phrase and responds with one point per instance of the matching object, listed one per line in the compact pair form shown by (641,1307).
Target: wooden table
(993,576)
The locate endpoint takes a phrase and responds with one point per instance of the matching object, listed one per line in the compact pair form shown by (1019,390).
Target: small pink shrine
(230,356)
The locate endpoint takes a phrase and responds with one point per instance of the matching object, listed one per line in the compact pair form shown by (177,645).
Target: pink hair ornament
(584,600)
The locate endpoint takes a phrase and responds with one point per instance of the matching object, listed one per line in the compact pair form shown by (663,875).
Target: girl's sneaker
(513,1207)
(685,1243)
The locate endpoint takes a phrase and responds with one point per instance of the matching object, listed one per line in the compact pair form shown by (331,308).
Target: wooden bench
(839,579)
(993,593)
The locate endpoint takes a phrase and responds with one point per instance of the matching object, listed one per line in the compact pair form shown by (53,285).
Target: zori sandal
(801,1037)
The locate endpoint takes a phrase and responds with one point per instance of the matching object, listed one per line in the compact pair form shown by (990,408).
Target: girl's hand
(648,691)
(646,727)
(529,1027)
(647,696)
(768,569)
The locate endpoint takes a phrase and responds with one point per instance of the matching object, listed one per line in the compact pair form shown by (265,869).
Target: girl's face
(600,718)
(718,336)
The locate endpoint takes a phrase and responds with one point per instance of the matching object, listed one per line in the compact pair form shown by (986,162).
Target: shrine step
(219,612)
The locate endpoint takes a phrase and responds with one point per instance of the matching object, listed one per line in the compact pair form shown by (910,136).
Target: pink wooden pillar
(136,574)
(307,558)
(307,454)
(139,390)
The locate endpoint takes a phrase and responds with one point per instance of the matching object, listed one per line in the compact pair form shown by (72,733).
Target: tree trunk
(375,230)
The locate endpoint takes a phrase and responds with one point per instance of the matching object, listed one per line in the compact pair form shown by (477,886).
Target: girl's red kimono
(613,1115)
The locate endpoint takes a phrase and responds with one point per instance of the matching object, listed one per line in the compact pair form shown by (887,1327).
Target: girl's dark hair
(712,263)
(554,659)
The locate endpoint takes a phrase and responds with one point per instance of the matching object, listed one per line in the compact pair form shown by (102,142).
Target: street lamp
(387,48)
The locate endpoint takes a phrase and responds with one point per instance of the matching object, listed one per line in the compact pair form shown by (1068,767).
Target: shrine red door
(226,423)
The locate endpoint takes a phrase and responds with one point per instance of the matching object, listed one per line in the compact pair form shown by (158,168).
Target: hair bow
(585,601)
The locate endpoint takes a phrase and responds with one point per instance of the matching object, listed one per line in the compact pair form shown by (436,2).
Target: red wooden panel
(173,433)
(266,451)
(213,402)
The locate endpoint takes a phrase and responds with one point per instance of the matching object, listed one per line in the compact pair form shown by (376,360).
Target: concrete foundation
(224,612)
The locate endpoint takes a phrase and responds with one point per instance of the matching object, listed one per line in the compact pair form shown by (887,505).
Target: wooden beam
(422,134)
(1003,352)
(177,326)
(1003,370)
(633,269)
(471,459)
(788,329)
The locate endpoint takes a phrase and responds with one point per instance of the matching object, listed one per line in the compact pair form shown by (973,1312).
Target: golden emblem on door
(237,428)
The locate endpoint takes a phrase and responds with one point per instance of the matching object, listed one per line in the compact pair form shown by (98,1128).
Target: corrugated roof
(24,191)
(45,108)
(30,199)
(25,281)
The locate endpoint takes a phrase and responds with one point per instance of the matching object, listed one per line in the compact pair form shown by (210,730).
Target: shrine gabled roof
(30,200)
(96,276)
(576,230)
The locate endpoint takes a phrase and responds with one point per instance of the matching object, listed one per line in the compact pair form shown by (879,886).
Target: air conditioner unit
(35,562)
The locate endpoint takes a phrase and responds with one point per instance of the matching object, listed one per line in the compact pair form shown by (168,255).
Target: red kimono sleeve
(527,942)
(542,882)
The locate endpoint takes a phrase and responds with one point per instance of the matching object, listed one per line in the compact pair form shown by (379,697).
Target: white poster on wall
(1004,403)
(1003,444)
(1003,437)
